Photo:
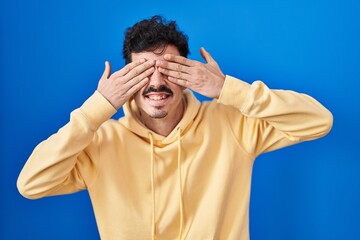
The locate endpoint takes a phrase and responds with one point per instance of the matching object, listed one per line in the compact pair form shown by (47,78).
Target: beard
(158,113)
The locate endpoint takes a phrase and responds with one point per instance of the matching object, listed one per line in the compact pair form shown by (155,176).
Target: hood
(131,120)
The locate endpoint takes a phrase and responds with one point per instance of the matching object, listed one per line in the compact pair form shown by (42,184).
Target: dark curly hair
(150,34)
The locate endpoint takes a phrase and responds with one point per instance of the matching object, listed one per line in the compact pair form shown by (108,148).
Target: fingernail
(167,56)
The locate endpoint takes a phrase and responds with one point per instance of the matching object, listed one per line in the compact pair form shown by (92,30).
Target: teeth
(157,97)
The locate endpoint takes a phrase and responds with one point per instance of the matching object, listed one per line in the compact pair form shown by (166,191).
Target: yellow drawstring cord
(152,186)
(180,184)
(153,233)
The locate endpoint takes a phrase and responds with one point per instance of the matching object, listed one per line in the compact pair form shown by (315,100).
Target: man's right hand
(118,87)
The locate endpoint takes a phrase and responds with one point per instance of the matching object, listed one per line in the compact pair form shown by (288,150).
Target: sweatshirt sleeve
(272,119)
(56,164)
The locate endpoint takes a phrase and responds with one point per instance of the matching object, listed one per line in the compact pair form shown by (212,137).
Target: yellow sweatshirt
(193,184)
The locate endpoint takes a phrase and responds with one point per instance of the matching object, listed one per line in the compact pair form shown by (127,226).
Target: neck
(163,126)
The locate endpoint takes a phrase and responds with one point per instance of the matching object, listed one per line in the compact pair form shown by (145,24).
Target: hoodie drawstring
(181,208)
(152,186)
(180,184)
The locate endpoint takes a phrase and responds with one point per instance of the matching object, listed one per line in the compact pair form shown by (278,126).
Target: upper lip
(157,93)
(161,90)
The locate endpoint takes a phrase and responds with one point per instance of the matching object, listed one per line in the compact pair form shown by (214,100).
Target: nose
(157,79)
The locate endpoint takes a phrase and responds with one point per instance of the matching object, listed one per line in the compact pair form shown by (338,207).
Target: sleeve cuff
(234,92)
(97,109)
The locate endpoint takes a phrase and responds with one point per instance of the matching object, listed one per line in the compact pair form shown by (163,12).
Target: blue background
(53,53)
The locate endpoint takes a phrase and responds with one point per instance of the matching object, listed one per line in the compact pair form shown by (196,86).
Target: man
(172,167)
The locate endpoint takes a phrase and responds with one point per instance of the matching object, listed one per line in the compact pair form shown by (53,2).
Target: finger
(180,82)
(135,88)
(206,55)
(173,66)
(138,70)
(132,82)
(179,59)
(128,68)
(174,74)
(107,70)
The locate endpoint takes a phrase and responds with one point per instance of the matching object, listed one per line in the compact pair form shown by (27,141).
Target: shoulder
(110,130)
(217,110)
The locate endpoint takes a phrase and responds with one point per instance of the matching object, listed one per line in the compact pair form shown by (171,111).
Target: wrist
(219,87)
(97,109)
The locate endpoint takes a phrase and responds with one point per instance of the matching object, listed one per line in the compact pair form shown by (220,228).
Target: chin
(158,114)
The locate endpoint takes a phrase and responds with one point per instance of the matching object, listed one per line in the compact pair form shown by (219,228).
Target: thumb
(107,70)
(206,55)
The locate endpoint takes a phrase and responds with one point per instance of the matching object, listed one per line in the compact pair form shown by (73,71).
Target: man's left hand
(204,78)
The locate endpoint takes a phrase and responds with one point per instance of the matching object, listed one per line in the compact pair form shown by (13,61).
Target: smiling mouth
(157,97)
(158,100)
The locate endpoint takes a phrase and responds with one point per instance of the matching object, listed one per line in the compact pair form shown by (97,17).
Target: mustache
(162,88)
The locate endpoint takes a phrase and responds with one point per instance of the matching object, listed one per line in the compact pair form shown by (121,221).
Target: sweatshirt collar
(131,120)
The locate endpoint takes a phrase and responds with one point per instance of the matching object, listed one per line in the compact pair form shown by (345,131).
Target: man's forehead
(156,54)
